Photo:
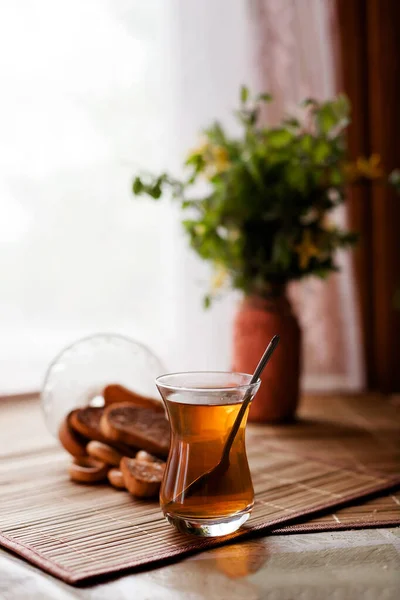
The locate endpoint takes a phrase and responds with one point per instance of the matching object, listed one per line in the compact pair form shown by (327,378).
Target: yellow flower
(370,168)
(220,158)
(215,157)
(200,229)
(219,278)
(306,250)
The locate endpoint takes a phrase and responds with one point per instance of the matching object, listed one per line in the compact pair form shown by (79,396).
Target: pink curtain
(294,50)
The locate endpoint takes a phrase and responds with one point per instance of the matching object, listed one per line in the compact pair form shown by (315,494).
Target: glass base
(208,527)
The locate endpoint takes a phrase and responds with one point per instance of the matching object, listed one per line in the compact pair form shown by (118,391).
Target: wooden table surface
(339,565)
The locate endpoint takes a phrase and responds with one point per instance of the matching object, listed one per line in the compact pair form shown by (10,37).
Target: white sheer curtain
(85,100)
(92,91)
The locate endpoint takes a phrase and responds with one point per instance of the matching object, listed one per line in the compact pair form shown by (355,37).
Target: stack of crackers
(125,442)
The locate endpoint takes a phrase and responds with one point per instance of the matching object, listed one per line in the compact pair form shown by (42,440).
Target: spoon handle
(265,358)
(260,368)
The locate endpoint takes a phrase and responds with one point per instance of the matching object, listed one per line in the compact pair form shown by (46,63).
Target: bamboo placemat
(378,512)
(360,432)
(80,532)
(77,532)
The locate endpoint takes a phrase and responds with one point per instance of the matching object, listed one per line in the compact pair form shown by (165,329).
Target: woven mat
(383,511)
(82,532)
(79,532)
(361,432)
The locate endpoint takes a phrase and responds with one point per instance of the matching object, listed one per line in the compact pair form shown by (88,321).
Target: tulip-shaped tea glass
(202,408)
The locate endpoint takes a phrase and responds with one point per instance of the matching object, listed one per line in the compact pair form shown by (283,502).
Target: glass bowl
(77,376)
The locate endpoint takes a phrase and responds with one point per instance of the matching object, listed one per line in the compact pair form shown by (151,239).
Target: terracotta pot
(257,320)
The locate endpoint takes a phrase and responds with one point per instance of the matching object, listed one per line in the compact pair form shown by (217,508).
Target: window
(91,92)
(81,108)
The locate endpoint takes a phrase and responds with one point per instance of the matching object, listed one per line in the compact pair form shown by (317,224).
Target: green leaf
(193,159)
(216,134)
(306,142)
(264,98)
(291,122)
(336,177)
(308,102)
(137,186)
(244,94)
(322,273)
(342,106)
(207,301)
(189,224)
(255,173)
(278,138)
(247,116)
(297,177)
(321,150)
(326,118)
(155,192)
(253,116)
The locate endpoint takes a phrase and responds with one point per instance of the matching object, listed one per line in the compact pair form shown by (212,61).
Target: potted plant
(265,221)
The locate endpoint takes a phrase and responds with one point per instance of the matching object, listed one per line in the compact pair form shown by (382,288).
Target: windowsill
(20,396)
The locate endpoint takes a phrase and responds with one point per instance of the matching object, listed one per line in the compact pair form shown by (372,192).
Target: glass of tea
(202,408)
